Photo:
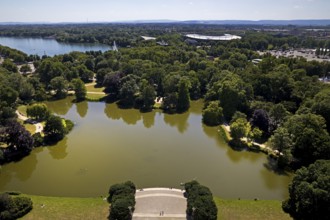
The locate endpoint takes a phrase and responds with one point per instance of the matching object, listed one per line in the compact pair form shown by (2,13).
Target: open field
(91,88)
(22,109)
(250,209)
(68,208)
(98,208)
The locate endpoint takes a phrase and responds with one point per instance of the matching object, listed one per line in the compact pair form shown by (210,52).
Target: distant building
(148,38)
(162,43)
(191,41)
(225,37)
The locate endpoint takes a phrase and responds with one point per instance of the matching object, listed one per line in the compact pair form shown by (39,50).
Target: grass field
(29,127)
(95,93)
(250,210)
(96,208)
(92,88)
(68,208)
(22,109)
(93,97)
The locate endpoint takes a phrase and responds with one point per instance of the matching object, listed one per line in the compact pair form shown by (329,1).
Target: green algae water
(110,145)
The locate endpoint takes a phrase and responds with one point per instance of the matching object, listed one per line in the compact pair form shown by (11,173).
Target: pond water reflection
(110,145)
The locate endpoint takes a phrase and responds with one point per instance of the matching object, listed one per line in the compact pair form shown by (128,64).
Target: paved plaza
(160,203)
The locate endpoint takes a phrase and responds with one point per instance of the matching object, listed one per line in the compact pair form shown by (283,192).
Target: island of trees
(279,101)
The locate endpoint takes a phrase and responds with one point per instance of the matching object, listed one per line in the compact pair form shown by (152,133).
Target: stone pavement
(160,203)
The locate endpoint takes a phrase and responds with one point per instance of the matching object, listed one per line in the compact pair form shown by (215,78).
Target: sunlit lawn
(250,209)
(22,109)
(97,208)
(68,208)
(92,88)
(92,96)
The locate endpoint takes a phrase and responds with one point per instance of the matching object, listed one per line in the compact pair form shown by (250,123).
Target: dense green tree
(311,140)
(183,96)
(255,134)
(148,95)
(79,89)
(321,105)
(278,115)
(170,101)
(90,64)
(128,91)
(212,114)
(25,68)
(10,66)
(14,207)
(85,74)
(26,91)
(54,129)
(17,138)
(200,203)
(233,94)
(8,95)
(238,115)
(239,129)
(60,85)
(49,70)
(307,137)
(112,82)
(261,120)
(122,199)
(38,112)
(309,192)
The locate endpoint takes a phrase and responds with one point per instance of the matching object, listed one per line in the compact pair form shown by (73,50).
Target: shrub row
(200,203)
(122,199)
(14,207)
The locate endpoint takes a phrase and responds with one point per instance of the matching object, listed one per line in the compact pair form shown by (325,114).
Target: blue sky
(120,10)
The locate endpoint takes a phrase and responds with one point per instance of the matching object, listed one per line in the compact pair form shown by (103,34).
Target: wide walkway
(160,203)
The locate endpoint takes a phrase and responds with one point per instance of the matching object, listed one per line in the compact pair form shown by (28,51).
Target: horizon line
(169,20)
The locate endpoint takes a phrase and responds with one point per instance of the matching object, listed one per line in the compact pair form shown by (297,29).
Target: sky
(128,10)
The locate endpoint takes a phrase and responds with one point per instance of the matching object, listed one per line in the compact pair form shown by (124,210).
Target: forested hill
(298,22)
(323,22)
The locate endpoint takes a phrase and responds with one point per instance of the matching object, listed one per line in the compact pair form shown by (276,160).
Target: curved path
(160,203)
(39,127)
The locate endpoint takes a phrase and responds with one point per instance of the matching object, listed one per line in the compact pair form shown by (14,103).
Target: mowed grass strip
(92,88)
(250,209)
(97,208)
(22,109)
(67,208)
(91,96)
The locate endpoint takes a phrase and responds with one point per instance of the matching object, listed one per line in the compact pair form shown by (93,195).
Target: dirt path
(39,127)
(262,147)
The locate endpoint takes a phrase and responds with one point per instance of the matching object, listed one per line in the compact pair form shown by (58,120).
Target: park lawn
(250,209)
(29,127)
(97,208)
(22,109)
(92,88)
(92,96)
(65,208)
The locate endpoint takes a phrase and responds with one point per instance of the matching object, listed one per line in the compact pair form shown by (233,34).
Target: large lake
(49,47)
(110,145)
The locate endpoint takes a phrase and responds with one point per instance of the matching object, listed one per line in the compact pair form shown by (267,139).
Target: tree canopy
(309,192)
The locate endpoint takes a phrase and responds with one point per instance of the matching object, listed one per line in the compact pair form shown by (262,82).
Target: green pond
(110,145)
